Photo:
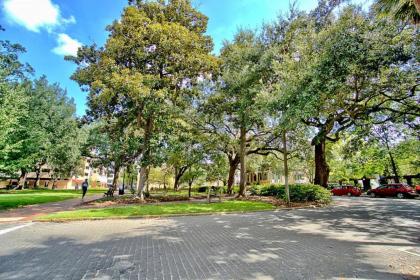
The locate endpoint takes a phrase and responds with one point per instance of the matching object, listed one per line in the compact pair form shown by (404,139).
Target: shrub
(308,192)
(266,190)
(298,192)
(271,190)
(255,189)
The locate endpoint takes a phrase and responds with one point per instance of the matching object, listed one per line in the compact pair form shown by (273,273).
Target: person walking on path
(85,186)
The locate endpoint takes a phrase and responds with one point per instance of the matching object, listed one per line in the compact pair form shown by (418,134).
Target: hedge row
(298,192)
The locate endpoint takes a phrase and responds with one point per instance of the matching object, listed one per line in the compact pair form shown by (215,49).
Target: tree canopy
(331,93)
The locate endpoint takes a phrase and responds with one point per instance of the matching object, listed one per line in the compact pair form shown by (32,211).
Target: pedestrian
(85,186)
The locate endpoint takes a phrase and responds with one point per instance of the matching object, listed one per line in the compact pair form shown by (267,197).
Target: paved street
(357,238)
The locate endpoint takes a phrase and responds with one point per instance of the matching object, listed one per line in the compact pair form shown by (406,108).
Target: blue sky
(49,29)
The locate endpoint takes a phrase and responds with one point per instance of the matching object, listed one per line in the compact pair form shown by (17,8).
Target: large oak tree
(153,57)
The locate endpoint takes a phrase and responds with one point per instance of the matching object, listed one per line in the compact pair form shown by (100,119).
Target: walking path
(28,213)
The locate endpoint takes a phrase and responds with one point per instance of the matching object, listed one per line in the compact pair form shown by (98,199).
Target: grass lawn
(19,198)
(166,209)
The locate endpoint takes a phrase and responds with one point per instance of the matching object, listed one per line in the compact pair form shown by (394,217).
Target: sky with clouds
(51,29)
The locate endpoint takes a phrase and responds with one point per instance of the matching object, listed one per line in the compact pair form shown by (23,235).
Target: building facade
(98,177)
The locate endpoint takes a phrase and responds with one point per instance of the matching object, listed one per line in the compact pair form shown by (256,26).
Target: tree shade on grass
(14,199)
(159,210)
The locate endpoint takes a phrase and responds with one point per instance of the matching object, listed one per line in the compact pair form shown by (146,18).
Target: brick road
(357,238)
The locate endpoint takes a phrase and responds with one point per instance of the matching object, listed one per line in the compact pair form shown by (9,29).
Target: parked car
(417,187)
(399,190)
(347,190)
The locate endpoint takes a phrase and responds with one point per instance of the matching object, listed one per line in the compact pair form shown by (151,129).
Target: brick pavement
(353,239)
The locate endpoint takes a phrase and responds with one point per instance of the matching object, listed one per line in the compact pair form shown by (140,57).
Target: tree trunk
(147,179)
(179,172)
(177,177)
(116,177)
(123,183)
(141,182)
(417,4)
(143,174)
(38,175)
(131,181)
(393,164)
(22,179)
(189,188)
(53,184)
(322,170)
(233,165)
(286,168)
(242,182)
(164,184)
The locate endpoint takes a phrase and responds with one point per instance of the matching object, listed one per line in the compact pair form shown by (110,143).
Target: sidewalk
(28,213)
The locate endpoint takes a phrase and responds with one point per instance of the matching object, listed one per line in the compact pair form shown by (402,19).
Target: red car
(399,190)
(346,190)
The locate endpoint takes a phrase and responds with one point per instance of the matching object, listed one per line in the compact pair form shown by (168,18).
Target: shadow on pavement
(333,243)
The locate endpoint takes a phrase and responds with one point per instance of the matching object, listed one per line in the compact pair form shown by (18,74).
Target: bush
(298,192)
(254,189)
(267,190)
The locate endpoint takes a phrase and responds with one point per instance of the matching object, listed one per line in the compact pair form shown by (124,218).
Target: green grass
(167,209)
(19,198)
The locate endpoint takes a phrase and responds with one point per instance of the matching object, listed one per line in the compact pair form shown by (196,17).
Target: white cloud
(66,45)
(69,20)
(35,14)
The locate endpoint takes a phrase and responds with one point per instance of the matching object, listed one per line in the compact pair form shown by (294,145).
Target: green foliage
(55,136)
(37,122)
(354,157)
(145,74)
(14,109)
(298,192)
(309,192)
(341,73)
(407,154)
(216,167)
(13,134)
(405,10)
(159,98)
(111,144)
(193,174)
(185,153)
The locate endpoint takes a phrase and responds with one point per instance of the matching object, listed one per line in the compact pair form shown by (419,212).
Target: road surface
(359,238)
